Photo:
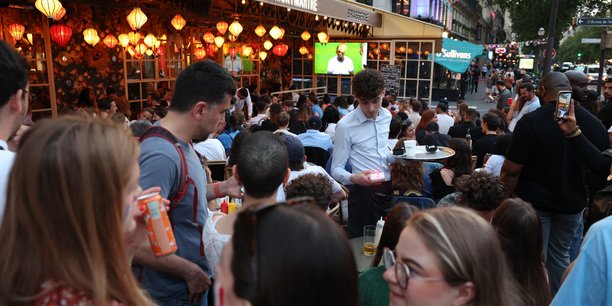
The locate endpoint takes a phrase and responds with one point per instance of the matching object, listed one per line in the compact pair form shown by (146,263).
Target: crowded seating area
(222,194)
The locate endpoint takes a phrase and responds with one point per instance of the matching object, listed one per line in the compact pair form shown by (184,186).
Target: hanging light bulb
(89,36)
(110,41)
(134,38)
(268,45)
(59,14)
(303,50)
(16,31)
(60,33)
(136,19)
(150,40)
(48,7)
(219,40)
(124,40)
(323,38)
(305,36)
(209,38)
(235,28)
(222,27)
(275,32)
(178,22)
(263,54)
(260,30)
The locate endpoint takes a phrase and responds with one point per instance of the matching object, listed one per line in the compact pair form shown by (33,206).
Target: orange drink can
(158,224)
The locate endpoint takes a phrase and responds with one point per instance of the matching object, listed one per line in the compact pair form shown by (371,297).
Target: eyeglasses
(402,271)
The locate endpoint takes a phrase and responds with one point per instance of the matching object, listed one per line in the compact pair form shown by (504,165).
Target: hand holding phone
(563,104)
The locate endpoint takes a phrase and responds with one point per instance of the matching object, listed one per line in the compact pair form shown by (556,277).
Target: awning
(456,56)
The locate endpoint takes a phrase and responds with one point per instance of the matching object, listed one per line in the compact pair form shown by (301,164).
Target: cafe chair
(317,156)
(421,203)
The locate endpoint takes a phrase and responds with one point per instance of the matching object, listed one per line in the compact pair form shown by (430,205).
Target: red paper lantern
(280,49)
(60,33)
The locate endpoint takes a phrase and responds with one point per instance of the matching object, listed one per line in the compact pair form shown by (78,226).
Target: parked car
(592,71)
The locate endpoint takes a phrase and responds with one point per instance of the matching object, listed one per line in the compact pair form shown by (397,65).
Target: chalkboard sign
(391,74)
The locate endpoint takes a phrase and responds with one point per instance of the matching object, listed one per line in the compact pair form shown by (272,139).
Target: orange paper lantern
(59,14)
(222,27)
(280,50)
(209,38)
(16,31)
(178,22)
(110,41)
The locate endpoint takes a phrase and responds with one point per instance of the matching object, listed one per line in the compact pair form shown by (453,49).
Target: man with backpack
(202,95)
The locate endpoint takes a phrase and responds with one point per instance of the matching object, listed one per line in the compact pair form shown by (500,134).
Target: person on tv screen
(340,64)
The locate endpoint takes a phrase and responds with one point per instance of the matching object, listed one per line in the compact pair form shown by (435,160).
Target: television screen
(526,63)
(340,57)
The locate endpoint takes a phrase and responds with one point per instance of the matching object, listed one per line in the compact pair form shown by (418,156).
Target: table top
(422,154)
(363,262)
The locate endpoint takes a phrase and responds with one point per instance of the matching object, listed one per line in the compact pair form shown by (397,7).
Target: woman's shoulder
(55,293)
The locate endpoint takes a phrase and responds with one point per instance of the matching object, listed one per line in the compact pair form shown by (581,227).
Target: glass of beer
(369,240)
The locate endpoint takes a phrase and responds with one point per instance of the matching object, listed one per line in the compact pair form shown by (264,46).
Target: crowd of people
(496,223)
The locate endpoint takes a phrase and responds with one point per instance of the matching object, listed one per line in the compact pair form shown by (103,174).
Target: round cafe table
(422,154)
(363,262)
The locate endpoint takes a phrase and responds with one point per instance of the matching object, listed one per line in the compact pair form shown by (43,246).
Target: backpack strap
(160,132)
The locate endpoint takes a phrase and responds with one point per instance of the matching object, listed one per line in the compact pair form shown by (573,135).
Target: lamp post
(541,33)
(552,28)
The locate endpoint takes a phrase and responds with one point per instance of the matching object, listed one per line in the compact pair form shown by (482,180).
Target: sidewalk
(477,98)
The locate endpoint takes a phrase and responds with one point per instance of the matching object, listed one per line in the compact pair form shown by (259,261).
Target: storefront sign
(456,56)
(332,8)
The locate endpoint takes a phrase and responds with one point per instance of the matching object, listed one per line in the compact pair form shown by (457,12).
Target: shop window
(302,66)
(416,60)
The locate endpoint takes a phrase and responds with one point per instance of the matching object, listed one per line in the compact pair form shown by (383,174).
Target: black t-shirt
(485,145)
(553,178)
(460,130)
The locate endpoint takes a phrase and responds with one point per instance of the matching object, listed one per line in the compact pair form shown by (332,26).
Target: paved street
(477,98)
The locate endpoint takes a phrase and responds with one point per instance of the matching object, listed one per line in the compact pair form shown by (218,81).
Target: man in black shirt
(486,144)
(542,169)
(460,130)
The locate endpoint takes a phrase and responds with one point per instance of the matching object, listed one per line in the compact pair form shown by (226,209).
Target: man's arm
(340,156)
(229,187)
(510,174)
(249,104)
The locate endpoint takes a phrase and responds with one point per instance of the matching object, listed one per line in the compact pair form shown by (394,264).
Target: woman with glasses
(449,256)
(72,221)
(286,255)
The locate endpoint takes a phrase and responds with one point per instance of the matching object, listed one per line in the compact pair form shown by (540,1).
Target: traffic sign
(594,22)
(591,41)
(554,53)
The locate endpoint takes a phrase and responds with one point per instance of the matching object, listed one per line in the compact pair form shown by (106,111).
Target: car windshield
(593,70)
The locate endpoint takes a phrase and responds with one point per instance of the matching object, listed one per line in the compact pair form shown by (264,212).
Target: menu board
(391,74)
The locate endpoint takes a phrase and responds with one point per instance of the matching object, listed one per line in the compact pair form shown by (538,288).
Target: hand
(363,178)
(13,142)
(138,237)
(232,188)
(197,283)
(569,121)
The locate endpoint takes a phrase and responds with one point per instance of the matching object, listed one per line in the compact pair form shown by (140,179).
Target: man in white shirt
(14,89)
(340,64)
(361,140)
(529,102)
(444,120)
(244,97)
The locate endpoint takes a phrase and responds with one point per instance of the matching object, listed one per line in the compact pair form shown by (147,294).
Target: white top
(529,107)
(212,149)
(331,130)
(308,169)
(213,241)
(334,66)
(415,118)
(494,164)
(445,122)
(6,163)
(257,120)
(284,131)
(240,104)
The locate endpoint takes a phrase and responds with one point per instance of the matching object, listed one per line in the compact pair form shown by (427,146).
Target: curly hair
(311,185)
(368,84)
(480,191)
(406,175)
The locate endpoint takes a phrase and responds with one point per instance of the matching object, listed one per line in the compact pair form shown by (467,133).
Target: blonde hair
(468,251)
(64,213)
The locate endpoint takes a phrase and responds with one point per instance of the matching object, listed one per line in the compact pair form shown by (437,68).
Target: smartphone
(563,102)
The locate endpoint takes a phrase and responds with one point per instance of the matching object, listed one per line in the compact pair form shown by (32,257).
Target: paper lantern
(134,38)
(276,32)
(209,38)
(280,50)
(260,30)
(232,52)
(131,51)
(89,36)
(247,50)
(178,22)
(60,33)
(235,28)
(231,37)
(95,40)
(282,33)
(157,44)
(124,40)
(305,36)
(150,40)
(268,45)
(149,52)
(59,14)
(323,38)
(16,31)
(222,27)
(219,40)
(263,55)
(199,53)
(30,38)
(141,48)
(48,7)
(136,19)
(110,41)
(303,50)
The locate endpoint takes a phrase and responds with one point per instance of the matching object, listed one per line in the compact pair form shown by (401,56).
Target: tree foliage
(568,51)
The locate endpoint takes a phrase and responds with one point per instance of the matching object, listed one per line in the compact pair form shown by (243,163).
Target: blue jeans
(558,231)
(182,299)
(577,241)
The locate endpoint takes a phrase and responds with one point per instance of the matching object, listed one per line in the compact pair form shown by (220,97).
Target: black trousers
(366,205)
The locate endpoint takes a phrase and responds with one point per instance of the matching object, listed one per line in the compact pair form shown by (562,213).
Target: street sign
(591,41)
(594,22)
(554,53)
